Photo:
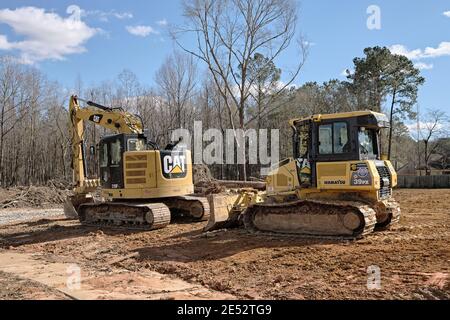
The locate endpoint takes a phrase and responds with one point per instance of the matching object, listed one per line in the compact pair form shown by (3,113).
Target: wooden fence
(424,182)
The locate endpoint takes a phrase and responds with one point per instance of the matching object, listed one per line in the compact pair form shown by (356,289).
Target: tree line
(229,80)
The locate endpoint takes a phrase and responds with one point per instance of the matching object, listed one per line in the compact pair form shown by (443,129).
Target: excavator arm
(116,120)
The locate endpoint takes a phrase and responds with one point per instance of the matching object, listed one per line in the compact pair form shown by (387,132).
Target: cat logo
(174,165)
(96,118)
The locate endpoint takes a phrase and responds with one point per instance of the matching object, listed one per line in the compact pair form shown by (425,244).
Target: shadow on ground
(222,246)
(52,231)
(187,246)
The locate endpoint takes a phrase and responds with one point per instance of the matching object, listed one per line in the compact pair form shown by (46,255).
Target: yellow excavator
(337,184)
(141,184)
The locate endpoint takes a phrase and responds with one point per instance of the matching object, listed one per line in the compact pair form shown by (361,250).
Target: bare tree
(433,128)
(128,89)
(14,97)
(229,33)
(32,126)
(176,80)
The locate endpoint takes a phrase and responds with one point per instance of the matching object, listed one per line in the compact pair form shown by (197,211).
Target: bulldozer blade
(223,213)
(72,204)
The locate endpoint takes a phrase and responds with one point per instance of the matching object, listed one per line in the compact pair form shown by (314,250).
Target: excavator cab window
(112,149)
(103,155)
(340,135)
(116,152)
(136,145)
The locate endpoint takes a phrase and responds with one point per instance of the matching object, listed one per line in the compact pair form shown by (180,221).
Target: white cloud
(412,127)
(447,14)
(442,50)
(141,31)
(46,35)
(403,51)
(123,15)
(423,66)
(104,16)
(308,43)
(162,22)
(4,44)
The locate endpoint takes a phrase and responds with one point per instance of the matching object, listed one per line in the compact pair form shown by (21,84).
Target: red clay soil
(413,257)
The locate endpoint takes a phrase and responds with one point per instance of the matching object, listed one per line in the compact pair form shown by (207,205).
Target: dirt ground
(413,259)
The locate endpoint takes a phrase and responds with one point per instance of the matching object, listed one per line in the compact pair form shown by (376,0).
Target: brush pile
(33,196)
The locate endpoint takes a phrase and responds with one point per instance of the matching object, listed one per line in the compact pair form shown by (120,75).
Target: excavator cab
(132,167)
(111,150)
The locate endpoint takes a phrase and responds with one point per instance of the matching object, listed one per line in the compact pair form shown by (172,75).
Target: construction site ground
(42,254)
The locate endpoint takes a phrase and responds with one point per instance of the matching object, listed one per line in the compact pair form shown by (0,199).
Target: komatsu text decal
(334,182)
(173,164)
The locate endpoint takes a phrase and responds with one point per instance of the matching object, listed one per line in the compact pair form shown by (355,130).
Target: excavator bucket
(72,204)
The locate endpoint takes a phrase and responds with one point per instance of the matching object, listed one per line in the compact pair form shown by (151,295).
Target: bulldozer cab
(340,137)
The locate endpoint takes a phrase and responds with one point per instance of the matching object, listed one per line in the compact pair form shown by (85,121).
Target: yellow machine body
(333,178)
(144,179)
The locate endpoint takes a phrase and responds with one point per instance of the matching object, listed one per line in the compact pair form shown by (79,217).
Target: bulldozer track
(365,213)
(128,216)
(394,212)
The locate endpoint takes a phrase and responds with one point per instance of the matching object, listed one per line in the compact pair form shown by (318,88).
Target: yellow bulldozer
(141,184)
(337,183)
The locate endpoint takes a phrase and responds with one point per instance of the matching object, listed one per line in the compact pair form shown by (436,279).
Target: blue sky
(117,35)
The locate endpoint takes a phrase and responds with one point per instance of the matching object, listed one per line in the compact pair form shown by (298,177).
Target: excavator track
(312,219)
(197,208)
(128,216)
